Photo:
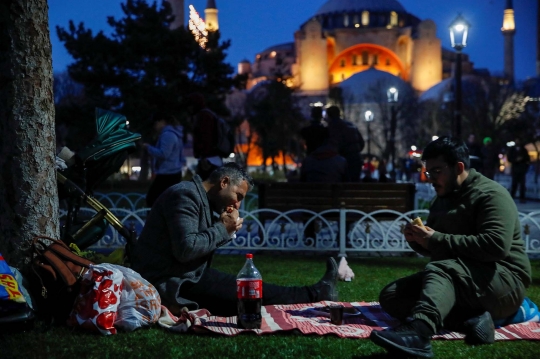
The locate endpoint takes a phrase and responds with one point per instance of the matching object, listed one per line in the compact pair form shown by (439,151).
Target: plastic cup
(336,314)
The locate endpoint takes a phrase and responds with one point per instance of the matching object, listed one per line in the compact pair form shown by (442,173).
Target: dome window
(365,18)
(342,63)
(393,19)
(346,20)
(354,60)
(375,59)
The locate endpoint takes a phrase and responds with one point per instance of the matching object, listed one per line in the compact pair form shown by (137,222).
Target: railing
(287,231)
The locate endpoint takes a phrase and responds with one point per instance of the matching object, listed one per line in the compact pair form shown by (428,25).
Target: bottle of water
(249,294)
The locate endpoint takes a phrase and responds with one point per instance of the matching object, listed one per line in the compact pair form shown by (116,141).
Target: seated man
(187,223)
(478,270)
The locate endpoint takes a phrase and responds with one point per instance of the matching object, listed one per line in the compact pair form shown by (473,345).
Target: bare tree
(28,192)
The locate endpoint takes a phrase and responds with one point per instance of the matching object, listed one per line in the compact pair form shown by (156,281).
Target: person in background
(205,135)
(478,270)
(475,151)
(490,157)
(324,164)
(186,226)
(315,133)
(167,158)
(345,136)
(519,157)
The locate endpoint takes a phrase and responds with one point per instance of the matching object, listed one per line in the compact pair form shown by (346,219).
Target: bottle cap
(249,256)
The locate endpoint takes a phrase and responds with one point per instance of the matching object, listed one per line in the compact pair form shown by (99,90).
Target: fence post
(342,230)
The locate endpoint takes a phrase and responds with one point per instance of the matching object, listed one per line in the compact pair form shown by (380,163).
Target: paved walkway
(529,206)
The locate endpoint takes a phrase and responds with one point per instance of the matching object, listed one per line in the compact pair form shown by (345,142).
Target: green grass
(371,275)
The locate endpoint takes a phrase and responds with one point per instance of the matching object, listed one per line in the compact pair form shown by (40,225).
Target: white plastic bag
(96,306)
(140,304)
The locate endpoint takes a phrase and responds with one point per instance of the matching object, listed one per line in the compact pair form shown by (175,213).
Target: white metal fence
(340,230)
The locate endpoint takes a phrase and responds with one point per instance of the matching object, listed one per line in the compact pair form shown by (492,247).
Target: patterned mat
(359,319)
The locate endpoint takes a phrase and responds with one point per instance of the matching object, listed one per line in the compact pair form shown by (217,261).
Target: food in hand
(418,222)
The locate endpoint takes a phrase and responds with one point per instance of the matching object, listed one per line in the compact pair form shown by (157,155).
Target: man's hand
(231,220)
(414,233)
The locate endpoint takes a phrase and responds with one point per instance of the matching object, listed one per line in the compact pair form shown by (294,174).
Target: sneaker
(403,339)
(479,330)
(325,289)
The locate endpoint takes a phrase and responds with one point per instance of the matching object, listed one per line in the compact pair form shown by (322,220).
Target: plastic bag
(96,305)
(140,303)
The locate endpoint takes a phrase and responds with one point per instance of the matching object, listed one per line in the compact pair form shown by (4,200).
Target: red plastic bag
(96,306)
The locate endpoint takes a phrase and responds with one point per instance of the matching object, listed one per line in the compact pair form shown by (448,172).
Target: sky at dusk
(254,25)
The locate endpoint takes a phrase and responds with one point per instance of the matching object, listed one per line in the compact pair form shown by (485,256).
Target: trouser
(216,291)
(160,184)
(449,292)
(518,178)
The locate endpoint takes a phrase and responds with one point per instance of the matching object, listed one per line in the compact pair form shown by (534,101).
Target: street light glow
(369,116)
(459,27)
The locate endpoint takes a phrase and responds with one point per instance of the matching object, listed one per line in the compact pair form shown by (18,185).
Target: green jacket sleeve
(493,222)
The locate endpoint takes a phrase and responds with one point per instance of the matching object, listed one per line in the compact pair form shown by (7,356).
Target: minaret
(210,16)
(509,30)
(177,7)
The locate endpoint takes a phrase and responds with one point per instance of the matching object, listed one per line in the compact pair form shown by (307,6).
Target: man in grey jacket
(188,222)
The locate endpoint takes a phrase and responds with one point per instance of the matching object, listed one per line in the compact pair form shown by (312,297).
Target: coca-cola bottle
(249,294)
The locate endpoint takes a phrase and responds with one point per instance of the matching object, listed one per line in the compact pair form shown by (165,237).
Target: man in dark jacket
(520,160)
(185,227)
(478,270)
(345,136)
(205,136)
(315,133)
(324,164)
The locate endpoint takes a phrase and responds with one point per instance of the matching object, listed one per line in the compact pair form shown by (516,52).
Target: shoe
(403,340)
(479,330)
(325,289)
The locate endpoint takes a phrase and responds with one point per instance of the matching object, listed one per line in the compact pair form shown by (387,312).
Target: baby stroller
(88,168)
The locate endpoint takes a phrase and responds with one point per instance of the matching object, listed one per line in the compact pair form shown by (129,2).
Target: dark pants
(159,185)
(451,291)
(216,291)
(518,178)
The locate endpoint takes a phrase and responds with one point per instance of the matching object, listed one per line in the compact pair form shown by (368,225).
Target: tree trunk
(28,192)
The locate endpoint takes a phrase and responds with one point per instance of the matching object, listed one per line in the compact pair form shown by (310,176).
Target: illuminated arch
(361,57)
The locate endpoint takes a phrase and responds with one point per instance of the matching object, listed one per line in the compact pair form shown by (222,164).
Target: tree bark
(28,192)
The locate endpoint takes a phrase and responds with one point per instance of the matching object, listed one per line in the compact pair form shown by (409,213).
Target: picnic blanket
(359,319)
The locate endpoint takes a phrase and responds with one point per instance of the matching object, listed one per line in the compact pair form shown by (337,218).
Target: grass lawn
(371,275)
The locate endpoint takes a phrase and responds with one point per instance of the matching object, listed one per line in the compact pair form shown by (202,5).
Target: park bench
(365,197)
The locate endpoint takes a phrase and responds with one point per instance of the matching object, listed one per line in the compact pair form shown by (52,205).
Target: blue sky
(253,25)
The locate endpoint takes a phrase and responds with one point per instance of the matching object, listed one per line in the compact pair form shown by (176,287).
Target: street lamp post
(392,94)
(368,115)
(459,30)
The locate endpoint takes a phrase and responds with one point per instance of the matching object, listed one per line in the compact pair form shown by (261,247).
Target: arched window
(393,18)
(354,60)
(342,63)
(365,58)
(365,18)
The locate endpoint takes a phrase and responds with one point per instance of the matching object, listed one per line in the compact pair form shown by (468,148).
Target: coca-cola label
(249,288)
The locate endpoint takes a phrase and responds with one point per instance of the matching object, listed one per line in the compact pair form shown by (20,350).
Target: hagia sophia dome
(341,6)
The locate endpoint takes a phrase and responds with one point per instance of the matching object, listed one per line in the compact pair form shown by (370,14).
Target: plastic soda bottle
(249,294)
